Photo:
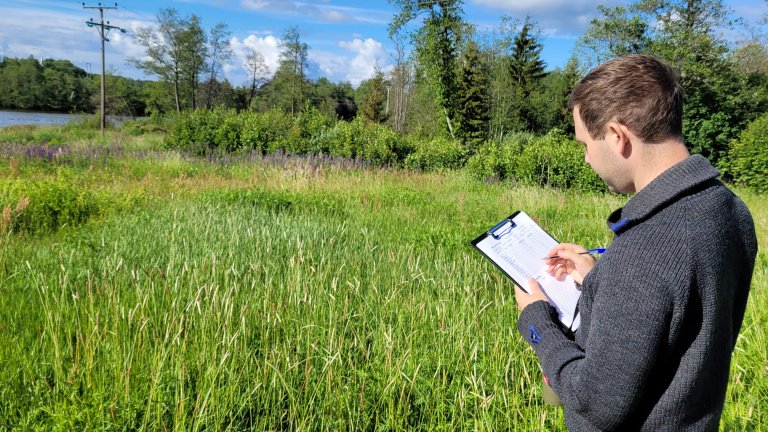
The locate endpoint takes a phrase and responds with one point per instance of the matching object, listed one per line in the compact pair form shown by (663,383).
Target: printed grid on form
(520,252)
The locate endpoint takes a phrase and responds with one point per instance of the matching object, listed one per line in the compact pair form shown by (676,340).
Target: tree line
(448,79)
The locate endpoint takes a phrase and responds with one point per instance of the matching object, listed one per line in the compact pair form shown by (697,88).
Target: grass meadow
(282,293)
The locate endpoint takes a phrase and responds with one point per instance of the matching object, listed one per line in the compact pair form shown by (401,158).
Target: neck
(657,158)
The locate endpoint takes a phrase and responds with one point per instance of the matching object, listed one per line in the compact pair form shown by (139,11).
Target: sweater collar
(668,186)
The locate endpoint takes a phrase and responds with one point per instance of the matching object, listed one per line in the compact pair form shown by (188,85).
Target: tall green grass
(252,296)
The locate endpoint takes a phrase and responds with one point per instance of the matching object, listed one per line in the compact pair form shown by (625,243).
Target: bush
(557,161)
(439,153)
(309,132)
(267,131)
(373,143)
(552,160)
(747,159)
(199,130)
(34,207)
(498,160)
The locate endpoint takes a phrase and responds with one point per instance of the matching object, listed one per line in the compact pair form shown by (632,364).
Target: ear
(619,138)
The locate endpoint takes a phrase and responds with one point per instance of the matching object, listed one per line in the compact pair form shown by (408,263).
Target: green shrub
(309,132)
(268,131)
(498,160)
(358,139)
(46,206)
(557,161)
(202,130)
(346,140)
(311,122)
(227,135)
(747,160)
(439,153)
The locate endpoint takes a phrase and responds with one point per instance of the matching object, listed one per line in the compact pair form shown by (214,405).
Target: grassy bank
(285,293)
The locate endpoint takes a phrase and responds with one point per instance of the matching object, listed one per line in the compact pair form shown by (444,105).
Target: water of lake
(10,118)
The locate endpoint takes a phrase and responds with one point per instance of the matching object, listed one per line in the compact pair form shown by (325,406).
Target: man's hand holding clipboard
(540,267)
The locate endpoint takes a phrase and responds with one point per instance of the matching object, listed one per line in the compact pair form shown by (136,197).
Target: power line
(103,30)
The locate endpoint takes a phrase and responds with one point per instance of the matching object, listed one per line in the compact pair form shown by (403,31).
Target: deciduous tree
(436,44)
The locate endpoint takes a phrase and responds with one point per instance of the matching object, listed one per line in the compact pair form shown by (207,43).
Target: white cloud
(556,18)
(268,46)
(334,16)
(63,35)
(370,55)
(322,11)
(255,4)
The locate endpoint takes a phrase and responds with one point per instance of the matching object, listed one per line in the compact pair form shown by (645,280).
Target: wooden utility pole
(103,31)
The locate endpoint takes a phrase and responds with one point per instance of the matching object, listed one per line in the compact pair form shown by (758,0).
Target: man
(661,309)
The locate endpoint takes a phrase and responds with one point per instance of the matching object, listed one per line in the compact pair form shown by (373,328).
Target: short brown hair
(638,91)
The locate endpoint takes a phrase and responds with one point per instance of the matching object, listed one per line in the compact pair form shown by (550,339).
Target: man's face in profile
(601,157)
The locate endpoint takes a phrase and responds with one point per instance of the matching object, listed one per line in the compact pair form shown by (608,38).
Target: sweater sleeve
(604,380)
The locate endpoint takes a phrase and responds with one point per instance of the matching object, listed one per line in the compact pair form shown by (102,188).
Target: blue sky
(347,39)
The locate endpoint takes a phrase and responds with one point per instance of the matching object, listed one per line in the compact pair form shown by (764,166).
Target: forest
(448,79)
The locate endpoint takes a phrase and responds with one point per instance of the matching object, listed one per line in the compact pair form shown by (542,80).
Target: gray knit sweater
(660,312)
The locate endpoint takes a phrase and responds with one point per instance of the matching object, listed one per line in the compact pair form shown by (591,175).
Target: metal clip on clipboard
(496,232)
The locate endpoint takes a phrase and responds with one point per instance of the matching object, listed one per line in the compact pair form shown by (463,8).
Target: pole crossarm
(103,29)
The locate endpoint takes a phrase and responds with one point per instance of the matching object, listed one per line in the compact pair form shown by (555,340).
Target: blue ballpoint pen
(590,251)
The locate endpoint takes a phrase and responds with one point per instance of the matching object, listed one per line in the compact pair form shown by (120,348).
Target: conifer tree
(373,95)
(472,113)
(526,68)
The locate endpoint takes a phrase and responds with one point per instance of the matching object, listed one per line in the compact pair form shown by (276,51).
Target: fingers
(566,247)
(570,261)
(560,271)
(535,293)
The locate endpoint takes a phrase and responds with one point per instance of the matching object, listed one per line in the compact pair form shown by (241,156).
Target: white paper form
(519,251)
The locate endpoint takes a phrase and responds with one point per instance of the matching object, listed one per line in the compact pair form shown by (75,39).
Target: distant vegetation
(458,94)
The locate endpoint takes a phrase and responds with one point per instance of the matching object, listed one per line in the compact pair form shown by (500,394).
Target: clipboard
(516,246)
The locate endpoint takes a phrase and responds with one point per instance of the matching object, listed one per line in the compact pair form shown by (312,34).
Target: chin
(622,191)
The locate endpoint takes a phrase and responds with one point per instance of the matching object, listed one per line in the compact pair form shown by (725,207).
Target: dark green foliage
(497,160)
(526,69)
(553,160)
(268,131)
(54,85)
(557,161)
(373,98)
(436,44)
(437,154)
(335,100)
(202,130)
(472,114)
(548,103)
(309,132)
(526,65)
(747,160)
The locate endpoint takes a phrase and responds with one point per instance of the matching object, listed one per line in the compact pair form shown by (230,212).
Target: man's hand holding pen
(565,259)
(570,259)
